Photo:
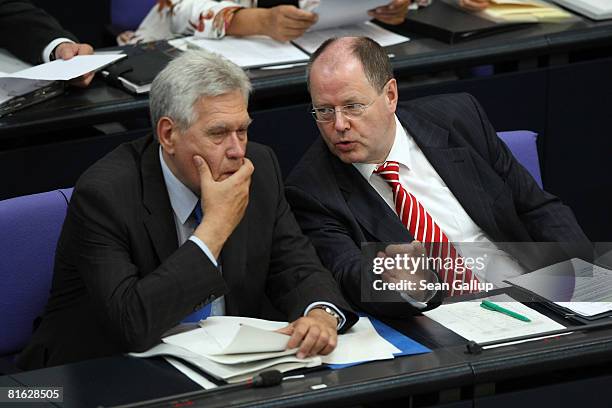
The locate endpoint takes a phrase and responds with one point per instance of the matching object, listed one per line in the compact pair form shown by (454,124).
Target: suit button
(198,306)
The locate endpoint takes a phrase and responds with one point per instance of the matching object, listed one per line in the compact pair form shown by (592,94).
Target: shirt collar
(182,199)
(400,152)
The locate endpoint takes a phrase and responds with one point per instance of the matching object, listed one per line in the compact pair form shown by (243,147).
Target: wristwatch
(330,312)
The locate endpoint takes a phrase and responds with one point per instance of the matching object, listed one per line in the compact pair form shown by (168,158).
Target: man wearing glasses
(427,171)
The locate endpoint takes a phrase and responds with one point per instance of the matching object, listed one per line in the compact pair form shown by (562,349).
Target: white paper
(473,322)
(227,372)
(192,374)
(219,336)
(252,51)
(596,9)
(336,13)
(64,70)
(577,285)
(311,40)
(360,343)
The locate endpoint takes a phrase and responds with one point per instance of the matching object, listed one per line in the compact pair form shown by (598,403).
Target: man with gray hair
(184,225)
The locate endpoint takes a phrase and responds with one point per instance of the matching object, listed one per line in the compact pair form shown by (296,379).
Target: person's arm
(282,23)
(27,30)
(136,309)
(393,13)
(297,280)
(343,256)
(474,5)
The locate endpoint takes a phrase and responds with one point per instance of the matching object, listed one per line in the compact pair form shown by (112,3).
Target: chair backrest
(128,14)
(523,145)
(29,230)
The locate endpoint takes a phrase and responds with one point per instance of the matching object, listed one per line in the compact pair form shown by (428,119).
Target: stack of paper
(31,79)
(471,321)
(575,286)
(235,348)
(595,9)
(519,11)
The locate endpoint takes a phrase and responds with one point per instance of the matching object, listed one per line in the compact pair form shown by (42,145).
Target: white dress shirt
(419,177)
(183,202)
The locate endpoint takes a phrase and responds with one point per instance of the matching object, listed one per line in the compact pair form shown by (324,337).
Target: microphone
(268,378)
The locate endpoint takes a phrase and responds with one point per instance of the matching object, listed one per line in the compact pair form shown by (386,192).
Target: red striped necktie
(424,228)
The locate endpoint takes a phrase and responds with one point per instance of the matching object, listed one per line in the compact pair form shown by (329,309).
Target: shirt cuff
(428,296)
(342,317)
(46,55)
(204,248)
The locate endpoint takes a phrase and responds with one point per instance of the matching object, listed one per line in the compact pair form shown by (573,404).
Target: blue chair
(127,14)
(523,145)
(29,230)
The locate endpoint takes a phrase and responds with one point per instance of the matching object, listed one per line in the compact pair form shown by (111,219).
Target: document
(251,52)
(575,285)
(595,9)
(524,11)
(64,70)
(471,321)
(311,40)
(234,348)
(336,13)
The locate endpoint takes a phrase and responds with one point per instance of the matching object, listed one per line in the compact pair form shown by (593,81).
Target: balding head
(338,52)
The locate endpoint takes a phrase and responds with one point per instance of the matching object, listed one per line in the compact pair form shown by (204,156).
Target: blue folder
(406,345)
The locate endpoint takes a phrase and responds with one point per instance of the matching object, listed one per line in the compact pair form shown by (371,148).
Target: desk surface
(119,380)
(101,103)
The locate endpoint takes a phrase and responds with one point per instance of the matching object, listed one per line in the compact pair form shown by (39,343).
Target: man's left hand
(68,50)
(316,333)
(393,13)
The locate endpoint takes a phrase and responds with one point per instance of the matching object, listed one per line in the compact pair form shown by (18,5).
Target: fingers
(82,81)
(312,337)
(203,170)
(288,330)
(474,5)
(393,13)
(68,50)
(296,14)
(415,248)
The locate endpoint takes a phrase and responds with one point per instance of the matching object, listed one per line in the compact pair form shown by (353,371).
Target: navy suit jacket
(338,209)
(25,30)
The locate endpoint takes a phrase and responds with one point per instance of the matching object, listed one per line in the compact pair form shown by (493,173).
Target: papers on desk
(64,70)
(595,9)
(336,13)
(260,51)
(574,286)
(311,40)
(475,323)
(31,79)
(250,52)
(524,11)
(235,348)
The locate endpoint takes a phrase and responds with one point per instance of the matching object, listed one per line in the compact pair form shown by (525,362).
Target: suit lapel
(370,210)
(454,165)
(233,264)
(157,212)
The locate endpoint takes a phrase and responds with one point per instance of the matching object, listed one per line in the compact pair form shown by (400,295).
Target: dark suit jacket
(338,209)
(120,281)
(25,30)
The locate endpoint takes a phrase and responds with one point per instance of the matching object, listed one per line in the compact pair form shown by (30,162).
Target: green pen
(486,304)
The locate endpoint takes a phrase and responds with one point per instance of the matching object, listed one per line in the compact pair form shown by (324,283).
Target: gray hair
(189,77)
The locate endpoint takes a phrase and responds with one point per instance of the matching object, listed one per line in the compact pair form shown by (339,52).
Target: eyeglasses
(350,111)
